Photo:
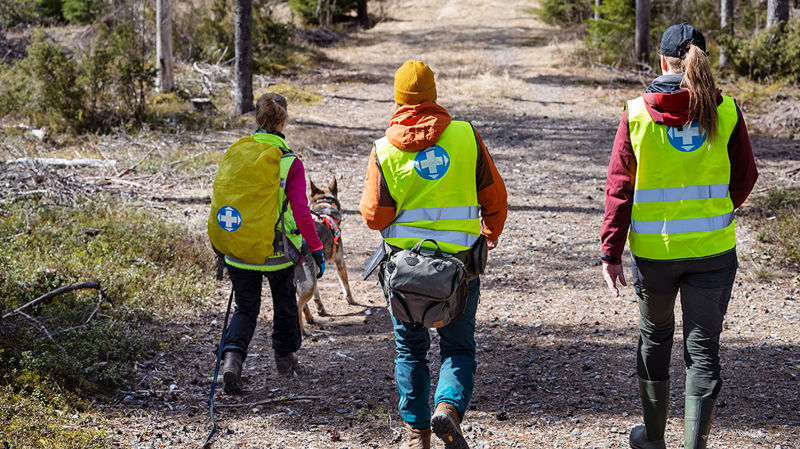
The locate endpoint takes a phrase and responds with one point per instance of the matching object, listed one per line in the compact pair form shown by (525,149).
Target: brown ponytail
(697,78)
(270,111)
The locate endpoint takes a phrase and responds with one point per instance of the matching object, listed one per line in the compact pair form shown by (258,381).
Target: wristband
(606,258)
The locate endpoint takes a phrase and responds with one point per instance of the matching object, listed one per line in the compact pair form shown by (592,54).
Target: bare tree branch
(51,295)
(129,169)
(37,323)
(96,308)
(270,401)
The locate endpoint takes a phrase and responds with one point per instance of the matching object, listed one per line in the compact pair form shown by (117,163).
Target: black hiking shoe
(287,365)
(232,372)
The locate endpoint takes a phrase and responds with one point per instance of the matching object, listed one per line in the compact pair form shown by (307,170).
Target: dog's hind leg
(318,301)
(305,290)
(341,271)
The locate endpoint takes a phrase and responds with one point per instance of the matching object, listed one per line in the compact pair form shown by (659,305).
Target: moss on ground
(42,419)
(296,94)
(148,269)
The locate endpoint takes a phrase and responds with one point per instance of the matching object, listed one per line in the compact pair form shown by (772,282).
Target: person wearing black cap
(680,165)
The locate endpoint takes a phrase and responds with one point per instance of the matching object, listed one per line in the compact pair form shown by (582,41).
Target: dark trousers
(286,336)
(705,287)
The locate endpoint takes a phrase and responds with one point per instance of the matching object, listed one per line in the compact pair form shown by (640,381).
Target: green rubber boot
(697,421)
(655,408)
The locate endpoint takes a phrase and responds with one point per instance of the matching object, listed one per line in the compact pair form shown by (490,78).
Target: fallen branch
(85,324)
(201,71)
(51,295)
(271,401)
(96,308)
(314,150)
(130,169)
(61,162)
(185,200)
(224,52)
(38,324)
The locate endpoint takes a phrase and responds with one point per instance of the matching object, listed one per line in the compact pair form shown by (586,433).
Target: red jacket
(671,109)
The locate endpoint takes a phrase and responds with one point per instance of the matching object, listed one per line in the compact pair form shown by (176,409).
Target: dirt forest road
(555,351)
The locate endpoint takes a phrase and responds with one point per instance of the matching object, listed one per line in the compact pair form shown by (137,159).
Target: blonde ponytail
(697,78)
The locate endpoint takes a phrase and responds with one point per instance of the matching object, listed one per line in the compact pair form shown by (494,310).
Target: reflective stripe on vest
(438,213)
(434,190)
(407,232)
(274,263)
(680,193)
(682,225)
(681,204)
(278,261)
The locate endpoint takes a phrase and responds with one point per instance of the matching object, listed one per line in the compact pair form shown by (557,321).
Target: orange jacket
(415,128)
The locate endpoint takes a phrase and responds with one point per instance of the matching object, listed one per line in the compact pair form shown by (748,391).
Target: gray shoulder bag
(427,288)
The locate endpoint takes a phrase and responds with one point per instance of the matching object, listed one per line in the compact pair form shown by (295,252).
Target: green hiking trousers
(705,287)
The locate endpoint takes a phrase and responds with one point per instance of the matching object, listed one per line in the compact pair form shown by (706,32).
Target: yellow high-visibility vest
(435,191)
(681,205)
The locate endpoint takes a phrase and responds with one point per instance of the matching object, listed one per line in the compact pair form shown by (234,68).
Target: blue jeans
(457,351)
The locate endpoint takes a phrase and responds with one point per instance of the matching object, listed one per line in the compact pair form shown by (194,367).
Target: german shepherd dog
(326,210)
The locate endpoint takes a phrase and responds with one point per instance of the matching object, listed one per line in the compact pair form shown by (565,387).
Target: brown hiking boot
(287,364)
(446,424)
(232,372)
(417,438)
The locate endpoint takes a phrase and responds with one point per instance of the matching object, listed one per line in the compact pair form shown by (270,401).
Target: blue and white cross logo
(432,163)
(686,138)
(229,218)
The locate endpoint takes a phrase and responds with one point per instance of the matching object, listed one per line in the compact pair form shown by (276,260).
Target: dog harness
(329,215)
(331,224)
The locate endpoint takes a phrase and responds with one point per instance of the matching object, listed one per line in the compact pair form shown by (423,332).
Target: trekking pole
(207,444)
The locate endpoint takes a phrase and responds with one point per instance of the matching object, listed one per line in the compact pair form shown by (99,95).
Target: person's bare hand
(612,272)
(492,244)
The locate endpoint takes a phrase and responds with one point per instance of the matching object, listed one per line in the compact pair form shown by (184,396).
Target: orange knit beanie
(413,84)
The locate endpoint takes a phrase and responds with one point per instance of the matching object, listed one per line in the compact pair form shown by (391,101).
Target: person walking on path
(428,178)
(271,114)
(680,165)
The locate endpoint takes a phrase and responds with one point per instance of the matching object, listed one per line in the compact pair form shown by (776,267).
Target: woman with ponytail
(680,165)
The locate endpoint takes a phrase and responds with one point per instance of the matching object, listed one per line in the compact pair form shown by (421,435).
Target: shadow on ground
(527,374)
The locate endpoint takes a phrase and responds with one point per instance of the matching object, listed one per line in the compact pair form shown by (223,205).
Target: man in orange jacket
(417,126)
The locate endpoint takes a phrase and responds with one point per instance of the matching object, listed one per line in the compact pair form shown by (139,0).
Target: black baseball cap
(675,41)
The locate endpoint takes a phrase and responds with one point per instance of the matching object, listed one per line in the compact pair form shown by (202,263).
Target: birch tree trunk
(777,11)
(726,27)
(597,4)
(165,82)
(243,102)
(642,46)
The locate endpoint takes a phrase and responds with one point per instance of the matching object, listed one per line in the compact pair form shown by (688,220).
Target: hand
(319,258)
(610,273)
(492,244)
